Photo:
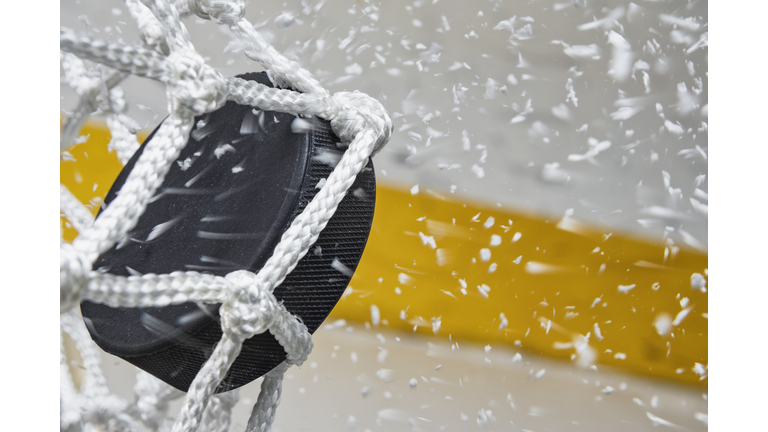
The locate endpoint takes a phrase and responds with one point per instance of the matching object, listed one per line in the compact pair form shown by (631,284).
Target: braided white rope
(150,30)
(263,413)
(89,90)
(74,210)
(152,399)
(123,141)
(93,402)
(218,415)
(248,305)
(70,400)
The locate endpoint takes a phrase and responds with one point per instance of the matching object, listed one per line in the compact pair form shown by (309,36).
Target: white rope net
(248,305)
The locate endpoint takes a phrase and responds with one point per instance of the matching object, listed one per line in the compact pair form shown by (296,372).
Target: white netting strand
(248,306)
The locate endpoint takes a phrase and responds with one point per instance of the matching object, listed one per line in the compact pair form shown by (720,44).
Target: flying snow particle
(698,282)
(300,126)
(503,321)
(521,63)
(524,114)
(647,82)
(571,93)
(465,144)
(626,288)
(595,148)
(660,421)
(446,26)
(489,222)
(673,128)
(160,229)
(606,23)
(621,59)
(485,254)
(681,316)
(625,113)
(699,369)
(552,173)
(582,52)
(436,325)
(683,23)
(284,20)
(223,149)
(663,323)
(375,315)
(490,89)
(249,125)
(414,136)
(353,69)
(385,374)
(444,257)
(428,240)
(330,158)
(598,333)
(341,268)
(508,24)
(478,171)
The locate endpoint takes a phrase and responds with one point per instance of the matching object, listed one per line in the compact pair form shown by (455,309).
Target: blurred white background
(542,106)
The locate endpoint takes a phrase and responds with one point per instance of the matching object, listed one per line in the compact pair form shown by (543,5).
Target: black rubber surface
(234,190)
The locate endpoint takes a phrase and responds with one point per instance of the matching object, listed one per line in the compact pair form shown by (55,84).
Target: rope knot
(194,87)
(219,11)
(73,272)
(250,310)
(354,111)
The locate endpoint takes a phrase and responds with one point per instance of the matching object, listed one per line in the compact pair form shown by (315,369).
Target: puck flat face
(243,177)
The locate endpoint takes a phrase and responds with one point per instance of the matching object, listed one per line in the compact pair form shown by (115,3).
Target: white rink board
(328,389)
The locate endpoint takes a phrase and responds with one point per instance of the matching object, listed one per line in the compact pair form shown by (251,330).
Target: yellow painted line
(555,282)
(549,297)
(89,169)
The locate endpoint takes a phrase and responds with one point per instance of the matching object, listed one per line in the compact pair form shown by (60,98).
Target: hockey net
(166,54)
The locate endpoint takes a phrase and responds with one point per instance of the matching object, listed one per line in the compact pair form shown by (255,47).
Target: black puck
(223,206)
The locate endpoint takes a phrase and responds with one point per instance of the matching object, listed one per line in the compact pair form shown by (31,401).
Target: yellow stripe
(92,172)
(548,298)
(558,279)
